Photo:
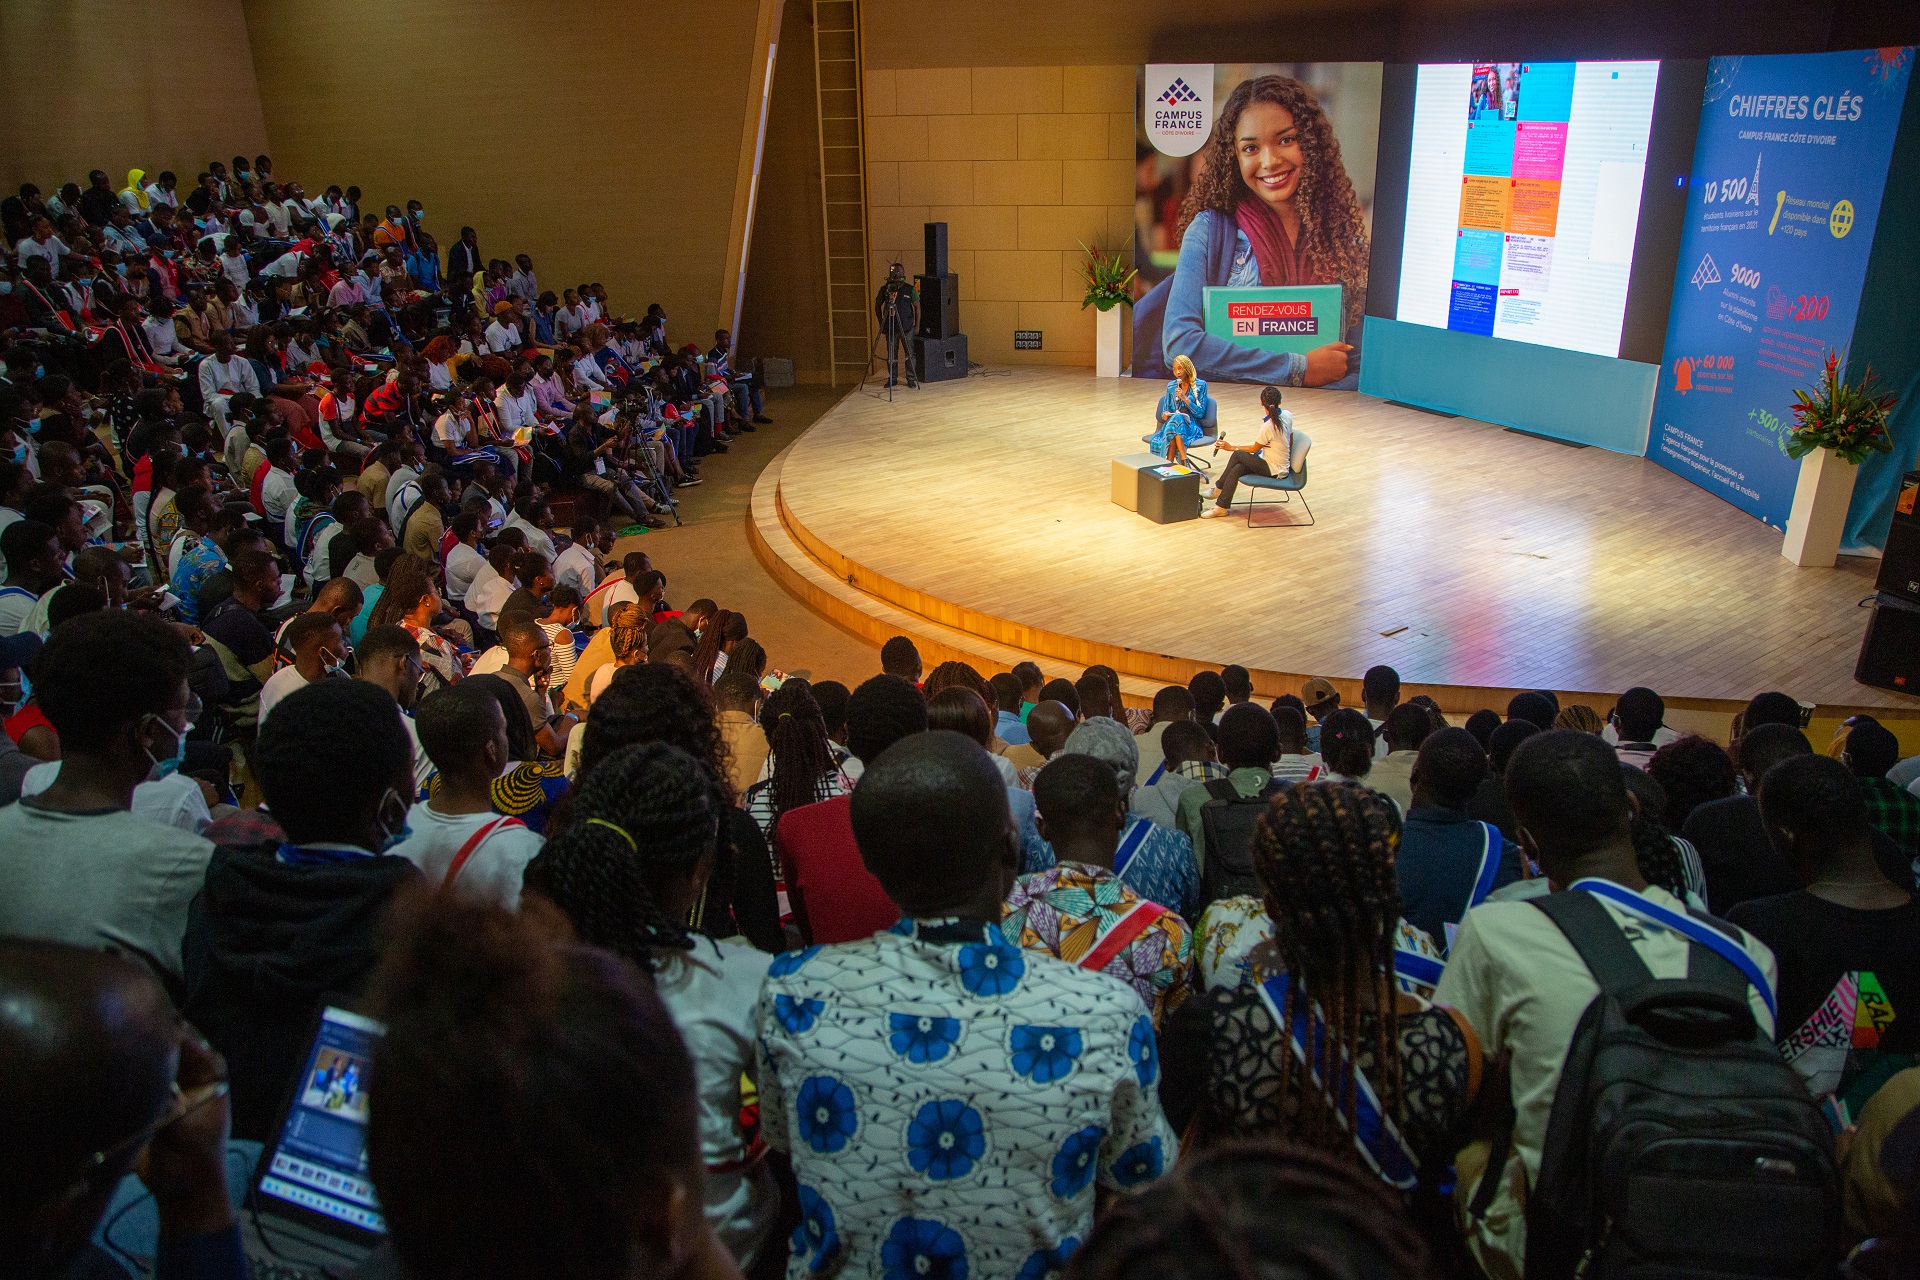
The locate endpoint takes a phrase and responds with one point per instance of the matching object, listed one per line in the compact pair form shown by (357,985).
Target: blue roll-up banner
(1784,197)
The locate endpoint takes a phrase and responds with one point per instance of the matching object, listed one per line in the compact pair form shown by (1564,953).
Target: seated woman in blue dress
(1182,409)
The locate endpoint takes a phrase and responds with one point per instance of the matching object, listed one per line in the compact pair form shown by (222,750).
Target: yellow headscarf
(133,185)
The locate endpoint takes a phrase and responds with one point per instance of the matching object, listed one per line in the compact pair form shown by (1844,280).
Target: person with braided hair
(801,769)
(664,704)
(1326,1050)
(1246,1210)
(628,872)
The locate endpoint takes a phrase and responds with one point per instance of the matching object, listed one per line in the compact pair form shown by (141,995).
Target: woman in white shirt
(634,864)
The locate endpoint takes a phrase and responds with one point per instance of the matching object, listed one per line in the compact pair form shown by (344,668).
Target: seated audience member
(1209,693)
(335,768)
(1481,725)
(529,668)
(835,896)
(1031,680)
(1518,981)
(319,652)
(1448,863)
(1063,692)
(1379,694)
(103,1079)
(1078,910)
(1404,729)
(1159,801)
(1008,726)
(1248,743)
(898,657)
(628,871)
(491,587)
(1256,1209)
(1489,804)
(1772,707)
(78,865)
(1692,771)
(1850,937)
(738,700)
(1584,719)
(1171,705)
(579,565)
(666,705)
(1537,708)
(1324,854)
(533,578)
(1871,750)
(492,1029)
(801,769)
(958,709)
(1636,718)
(389,658)
(1736,854)
(1347,744)
(1154,861)
(33,554)
(1297,763)
(562,610)
(243,642)
(1096,698)
(670,636)
(456,838)
(626,645)
(1031,1082)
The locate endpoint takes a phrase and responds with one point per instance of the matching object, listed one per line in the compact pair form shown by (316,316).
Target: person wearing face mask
(284,927)
(79,865)
(319,653)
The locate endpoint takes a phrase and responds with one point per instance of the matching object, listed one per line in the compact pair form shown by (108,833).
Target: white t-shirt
(1276,444)
(463,562)
(501,337)
(518,411)
(488,592)
(174,801)
(489,661)
(712,993)
(537,538)
(15,604)
(574,567)
(493,870)
(279,685)
(278,493)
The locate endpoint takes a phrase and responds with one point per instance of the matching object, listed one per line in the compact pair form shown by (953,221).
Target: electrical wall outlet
(1026,339)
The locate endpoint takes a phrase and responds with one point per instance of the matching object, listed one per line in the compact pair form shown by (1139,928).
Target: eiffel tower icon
(1753,188)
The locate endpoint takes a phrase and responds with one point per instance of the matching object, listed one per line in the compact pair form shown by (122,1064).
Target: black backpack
(1680,1144)
(1227,821)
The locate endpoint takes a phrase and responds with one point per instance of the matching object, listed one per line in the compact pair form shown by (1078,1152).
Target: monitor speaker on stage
(940,359)
(1900,562)
(936,248)
(939,303)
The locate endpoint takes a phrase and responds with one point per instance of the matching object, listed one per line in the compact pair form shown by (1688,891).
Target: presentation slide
(1523,196)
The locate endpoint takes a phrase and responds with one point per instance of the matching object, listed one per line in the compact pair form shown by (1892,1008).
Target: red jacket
(835,898)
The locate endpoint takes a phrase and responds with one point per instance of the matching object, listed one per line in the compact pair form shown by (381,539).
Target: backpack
(1226,819)
(1680,1142)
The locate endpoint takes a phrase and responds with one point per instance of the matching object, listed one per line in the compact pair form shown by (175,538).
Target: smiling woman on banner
(1272,206)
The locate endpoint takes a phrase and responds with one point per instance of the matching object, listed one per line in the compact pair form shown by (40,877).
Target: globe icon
(1840,221)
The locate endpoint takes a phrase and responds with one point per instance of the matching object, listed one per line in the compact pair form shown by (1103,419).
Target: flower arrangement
(1846,417)
(1108,278)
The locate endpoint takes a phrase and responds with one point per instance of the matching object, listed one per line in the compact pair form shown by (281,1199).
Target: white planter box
(1106,361)
(1819,514)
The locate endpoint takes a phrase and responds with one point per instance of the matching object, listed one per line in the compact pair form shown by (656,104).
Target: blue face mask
(393,828)
(170,765)
(18,453)
(6,287)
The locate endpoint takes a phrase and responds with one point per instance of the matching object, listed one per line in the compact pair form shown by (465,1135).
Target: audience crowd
(692,968)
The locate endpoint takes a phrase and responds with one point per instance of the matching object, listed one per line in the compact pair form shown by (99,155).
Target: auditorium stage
(976,517)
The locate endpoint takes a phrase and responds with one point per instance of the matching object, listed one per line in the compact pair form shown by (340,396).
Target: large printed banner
(1787,177)
(1253,209)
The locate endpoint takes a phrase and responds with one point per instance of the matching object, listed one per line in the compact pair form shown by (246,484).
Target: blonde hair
(1183,369)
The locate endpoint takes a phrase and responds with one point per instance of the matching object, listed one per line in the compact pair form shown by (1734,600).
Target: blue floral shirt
(950,1100)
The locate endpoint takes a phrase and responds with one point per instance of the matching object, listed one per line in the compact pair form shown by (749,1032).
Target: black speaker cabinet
(939,359)
(1890,653)
(936,248)
(939,303)
(1900,563)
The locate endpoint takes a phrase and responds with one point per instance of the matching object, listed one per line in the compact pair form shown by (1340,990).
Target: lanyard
(1653,913)
(1136,836)
(1386,1152)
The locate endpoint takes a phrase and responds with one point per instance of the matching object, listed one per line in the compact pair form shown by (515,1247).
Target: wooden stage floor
(1468,557)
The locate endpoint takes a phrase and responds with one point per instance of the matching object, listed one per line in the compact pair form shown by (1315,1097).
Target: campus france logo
(1177,106)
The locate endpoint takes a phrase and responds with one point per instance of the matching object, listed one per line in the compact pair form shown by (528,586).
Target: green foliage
(1108,277)
(1846,417)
